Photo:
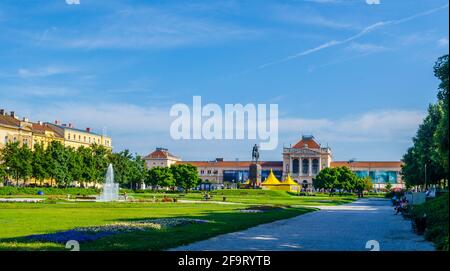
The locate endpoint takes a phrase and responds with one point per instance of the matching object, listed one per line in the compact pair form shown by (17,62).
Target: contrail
(366,30)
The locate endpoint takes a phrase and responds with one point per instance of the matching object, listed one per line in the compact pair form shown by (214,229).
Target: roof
(271,179)
(289,181)
(71,128)
(42,128)
(368,164)
(307,141)
(233,164)
(160,154)
(10,121)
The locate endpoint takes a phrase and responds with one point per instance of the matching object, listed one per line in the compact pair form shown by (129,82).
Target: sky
(358,77)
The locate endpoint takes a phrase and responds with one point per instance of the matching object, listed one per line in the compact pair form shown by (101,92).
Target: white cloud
(366,48)
(383,125)
(361,33)
(43,72)
(144,27)
(443,42)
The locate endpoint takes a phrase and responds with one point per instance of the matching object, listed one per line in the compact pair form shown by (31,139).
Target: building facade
(301,162)
(160,157)
(13,129)
(304,160)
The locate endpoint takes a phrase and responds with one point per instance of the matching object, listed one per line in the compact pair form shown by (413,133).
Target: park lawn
(22,219)
(250,196)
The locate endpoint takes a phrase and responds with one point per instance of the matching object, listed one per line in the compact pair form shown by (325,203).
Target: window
(295,166)
(202,172)
(79,137)
(6,140)
(68,136)
(15,139)
(209,171)
(85,139)
(315,166)
(305,166)
(74,137)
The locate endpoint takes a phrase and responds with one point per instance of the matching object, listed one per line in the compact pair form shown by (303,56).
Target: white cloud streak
(363,32)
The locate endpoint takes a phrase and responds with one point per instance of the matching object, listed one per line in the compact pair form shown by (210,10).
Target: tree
(3,174)
(58,170)
(18,159)
(39,164)
(441,136)
(363,184)
(346,179)
(186,176)
(326,179)
(160,176)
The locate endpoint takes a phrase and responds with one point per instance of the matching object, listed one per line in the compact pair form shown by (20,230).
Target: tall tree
(58,165)
(39,164)
(441,136)
(18,160)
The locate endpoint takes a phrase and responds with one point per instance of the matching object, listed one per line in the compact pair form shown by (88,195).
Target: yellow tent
(289,184)
(271,182)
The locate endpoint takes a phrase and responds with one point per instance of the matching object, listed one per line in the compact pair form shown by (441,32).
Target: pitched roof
(233,164)
(10,121)
(368,164)
(307,141)
(42,128)
(160,153)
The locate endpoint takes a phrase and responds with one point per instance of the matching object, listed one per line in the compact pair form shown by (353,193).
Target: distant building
(302,162)
(13,129)
(160,157)
(305,159)
(77,137)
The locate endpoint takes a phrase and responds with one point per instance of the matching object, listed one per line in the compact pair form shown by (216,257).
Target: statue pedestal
(255,175)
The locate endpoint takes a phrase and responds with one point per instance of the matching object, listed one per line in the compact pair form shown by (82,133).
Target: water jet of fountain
(110,188)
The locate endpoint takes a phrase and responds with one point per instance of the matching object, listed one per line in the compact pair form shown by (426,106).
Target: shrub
(12,190)
(436,211)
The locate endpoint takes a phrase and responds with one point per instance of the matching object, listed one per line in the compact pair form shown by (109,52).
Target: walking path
(333,228)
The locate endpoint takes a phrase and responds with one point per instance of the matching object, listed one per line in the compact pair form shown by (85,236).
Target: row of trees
(183,175)
(341,179)
(64,165)
(426,162)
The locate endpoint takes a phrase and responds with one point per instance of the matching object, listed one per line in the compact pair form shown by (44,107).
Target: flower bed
(87,234)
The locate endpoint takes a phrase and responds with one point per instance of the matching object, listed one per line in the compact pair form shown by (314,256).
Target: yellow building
(76,137)
(12,129)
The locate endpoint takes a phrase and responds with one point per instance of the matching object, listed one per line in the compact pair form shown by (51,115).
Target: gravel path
(342,228)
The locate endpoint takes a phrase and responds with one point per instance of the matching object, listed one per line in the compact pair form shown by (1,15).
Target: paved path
(343,228)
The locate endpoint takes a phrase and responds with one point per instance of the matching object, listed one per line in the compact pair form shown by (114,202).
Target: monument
(110,188)
(255,168)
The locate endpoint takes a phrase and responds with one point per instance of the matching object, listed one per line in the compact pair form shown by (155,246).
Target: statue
(255,153)
(255,169)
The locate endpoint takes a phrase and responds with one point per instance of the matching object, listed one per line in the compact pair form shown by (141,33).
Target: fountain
(110,188)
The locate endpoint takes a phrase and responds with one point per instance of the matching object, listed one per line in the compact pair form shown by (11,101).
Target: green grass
(436,211)
(21,219)
(249,196)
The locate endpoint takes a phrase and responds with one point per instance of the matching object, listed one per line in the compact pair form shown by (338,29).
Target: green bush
(436,211)
(12,190)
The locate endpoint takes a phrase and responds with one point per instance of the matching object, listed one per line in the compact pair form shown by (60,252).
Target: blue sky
(357,76)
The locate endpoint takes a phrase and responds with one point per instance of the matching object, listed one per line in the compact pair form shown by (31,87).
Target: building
(13,129)
(300,164)
(160,157)
(76,138)
(305,159)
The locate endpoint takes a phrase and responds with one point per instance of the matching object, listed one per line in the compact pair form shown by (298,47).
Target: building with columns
(304,160)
